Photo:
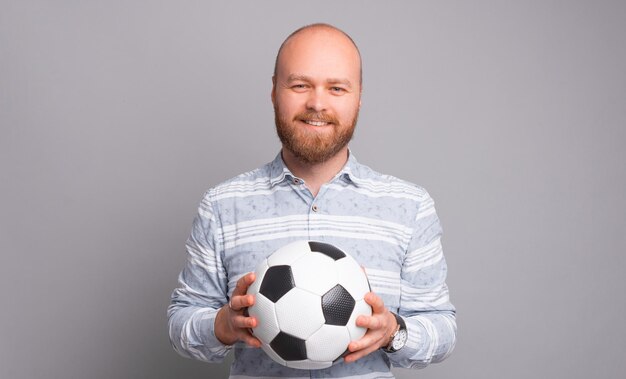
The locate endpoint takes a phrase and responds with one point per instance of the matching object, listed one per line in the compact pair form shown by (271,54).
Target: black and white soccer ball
(308,295)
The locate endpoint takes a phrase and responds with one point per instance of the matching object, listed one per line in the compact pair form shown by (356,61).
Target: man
(315,189)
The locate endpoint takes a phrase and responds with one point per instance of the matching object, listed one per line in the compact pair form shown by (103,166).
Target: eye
(337,89)
(299,86)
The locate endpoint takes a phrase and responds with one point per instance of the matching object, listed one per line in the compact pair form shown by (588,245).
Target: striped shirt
(388,225)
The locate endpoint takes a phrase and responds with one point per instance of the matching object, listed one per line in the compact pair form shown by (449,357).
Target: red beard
(311,147)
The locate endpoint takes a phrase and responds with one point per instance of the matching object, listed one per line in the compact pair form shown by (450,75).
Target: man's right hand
(231,325)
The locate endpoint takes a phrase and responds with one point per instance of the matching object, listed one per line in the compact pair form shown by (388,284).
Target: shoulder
(254,180)
(373,180)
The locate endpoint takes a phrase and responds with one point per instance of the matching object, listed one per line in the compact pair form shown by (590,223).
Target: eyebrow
(304,78)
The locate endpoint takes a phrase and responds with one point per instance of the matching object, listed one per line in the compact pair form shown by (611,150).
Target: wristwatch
(399,337)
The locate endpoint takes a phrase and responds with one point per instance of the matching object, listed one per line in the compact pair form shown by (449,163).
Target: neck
(315,175)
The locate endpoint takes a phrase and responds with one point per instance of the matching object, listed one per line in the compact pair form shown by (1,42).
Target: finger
(377,304)
(250,340)
(359,354)
(369,322)
(237,303)
(244,322)
(369,339)
(249,279)
(243,283)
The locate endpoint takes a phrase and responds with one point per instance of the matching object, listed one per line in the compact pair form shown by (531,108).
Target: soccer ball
(308,295)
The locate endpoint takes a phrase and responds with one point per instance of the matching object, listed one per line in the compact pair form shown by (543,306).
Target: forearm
(431,338)
(202,291)
(424,301)
(192,332)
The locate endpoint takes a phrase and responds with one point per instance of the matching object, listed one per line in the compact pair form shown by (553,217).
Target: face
(317,94)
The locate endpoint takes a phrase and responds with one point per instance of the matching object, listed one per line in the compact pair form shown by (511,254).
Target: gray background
(115,117)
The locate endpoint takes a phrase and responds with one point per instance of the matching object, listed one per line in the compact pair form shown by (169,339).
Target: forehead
(319,53)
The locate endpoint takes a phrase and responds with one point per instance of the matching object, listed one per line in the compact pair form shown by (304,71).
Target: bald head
(323,31)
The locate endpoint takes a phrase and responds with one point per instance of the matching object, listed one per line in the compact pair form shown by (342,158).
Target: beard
(311,147)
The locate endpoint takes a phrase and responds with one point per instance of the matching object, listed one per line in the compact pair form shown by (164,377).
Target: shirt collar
(280,173)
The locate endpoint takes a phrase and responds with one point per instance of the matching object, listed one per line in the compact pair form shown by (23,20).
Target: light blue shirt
(388,225)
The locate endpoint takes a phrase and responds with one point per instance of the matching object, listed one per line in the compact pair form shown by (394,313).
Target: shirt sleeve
(424,301)
(202,291)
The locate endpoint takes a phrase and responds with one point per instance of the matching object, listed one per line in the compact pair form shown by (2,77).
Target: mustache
(316,116)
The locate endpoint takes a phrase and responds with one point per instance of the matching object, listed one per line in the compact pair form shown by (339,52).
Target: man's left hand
(380,326)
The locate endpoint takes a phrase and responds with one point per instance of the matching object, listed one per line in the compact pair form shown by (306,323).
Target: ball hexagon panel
(352,277)
(261,268)
(360,308)
(314,272)
(288,253)
(276,282)
(327,249)
(288,347)
(337,306)
(328,343)
(299,313)
(264,309)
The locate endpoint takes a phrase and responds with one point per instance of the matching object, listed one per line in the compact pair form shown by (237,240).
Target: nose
(316,100)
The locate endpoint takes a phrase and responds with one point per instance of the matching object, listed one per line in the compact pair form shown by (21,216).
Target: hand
(230,323)
(380,326)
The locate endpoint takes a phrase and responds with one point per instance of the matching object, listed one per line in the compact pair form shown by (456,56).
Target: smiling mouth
(316,123)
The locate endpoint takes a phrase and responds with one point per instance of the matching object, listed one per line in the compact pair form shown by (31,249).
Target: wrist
(394,326)
(399,336)
(221,329)
(391,330)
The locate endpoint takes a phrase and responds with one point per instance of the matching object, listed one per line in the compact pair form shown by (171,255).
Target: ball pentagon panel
(277,281)
(288,347)
(326,249)
(337,306)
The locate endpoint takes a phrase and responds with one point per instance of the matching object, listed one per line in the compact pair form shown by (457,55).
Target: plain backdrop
(115,117)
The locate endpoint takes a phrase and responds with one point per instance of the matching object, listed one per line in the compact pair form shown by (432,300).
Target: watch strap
(401,326)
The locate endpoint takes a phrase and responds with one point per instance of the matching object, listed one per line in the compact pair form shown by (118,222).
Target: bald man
(316,189)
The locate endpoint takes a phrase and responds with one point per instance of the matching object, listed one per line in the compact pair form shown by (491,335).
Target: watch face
(399,340)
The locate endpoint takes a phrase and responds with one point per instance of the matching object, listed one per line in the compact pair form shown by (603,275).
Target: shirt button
(296,181)
(314,208)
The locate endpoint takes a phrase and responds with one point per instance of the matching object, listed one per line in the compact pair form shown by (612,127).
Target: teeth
(316,123)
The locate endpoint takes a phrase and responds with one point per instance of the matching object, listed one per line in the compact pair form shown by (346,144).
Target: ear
(273,95)
(360,94)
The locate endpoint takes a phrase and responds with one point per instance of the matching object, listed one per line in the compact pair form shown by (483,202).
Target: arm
(201,293)
(201,324)
(424,303)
